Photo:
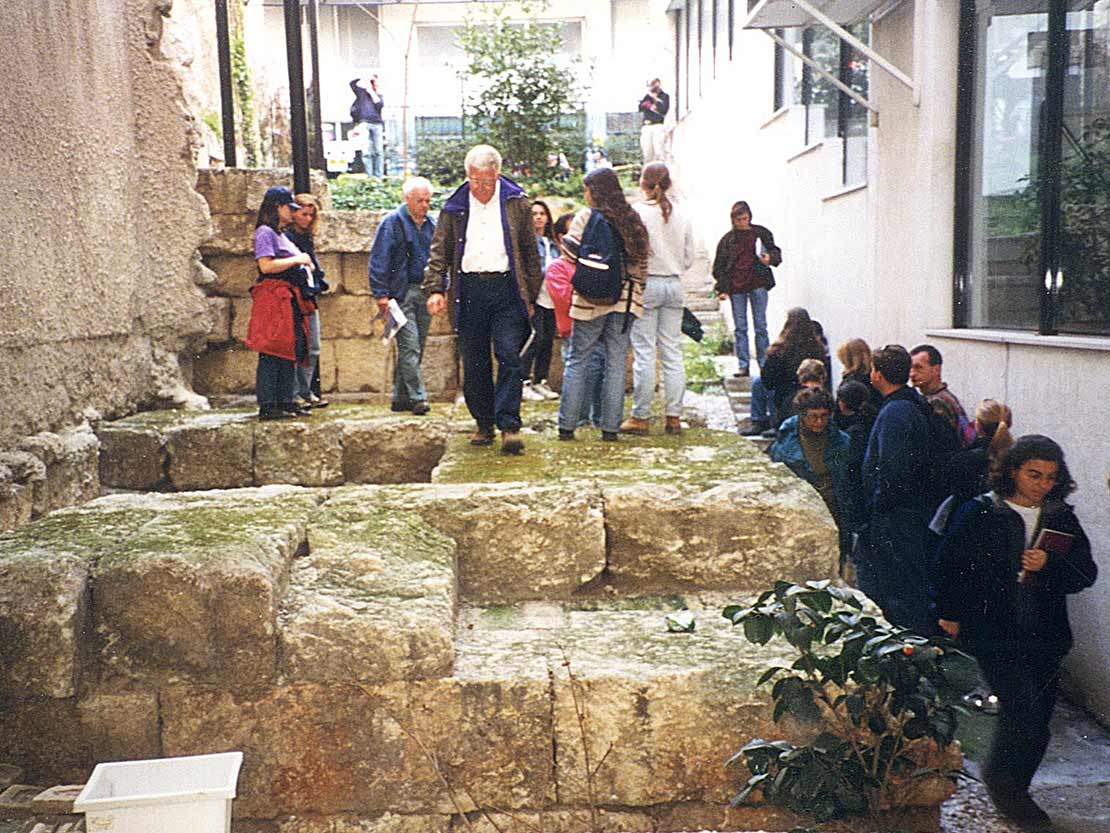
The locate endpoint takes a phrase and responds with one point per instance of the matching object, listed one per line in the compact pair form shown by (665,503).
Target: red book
(1053,542)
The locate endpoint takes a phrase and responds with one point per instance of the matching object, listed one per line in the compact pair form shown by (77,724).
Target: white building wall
(876,262)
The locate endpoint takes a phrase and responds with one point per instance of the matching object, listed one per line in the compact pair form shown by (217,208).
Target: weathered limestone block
(70,458)
(193,595)
(441,325)
(348,231)
(440,365)
(392,449)
(240,320)
(361,364)
(320,749)
(732,536)
(332,264)
(385,823)
(230,234)
(219,313)
(132,456)
(514,542)
(19,471)
(235,274)
(328,373)
(356,273)
(225,370)
(44,597)
(346,316)
(240,190)
(374,600)
(212,451)
(303,452)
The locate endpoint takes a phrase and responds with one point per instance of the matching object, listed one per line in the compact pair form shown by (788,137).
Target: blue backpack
(599,275)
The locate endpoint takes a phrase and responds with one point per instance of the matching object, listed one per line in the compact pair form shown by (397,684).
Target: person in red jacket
(278,327)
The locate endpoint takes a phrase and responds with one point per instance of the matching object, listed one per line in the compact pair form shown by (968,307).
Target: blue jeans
(491,311)
(408,386)
(303,387)
(761,402)
(373,155)
(606,331)
(595,370)
(758,300)
(896,570)
(660,325)
(274,381)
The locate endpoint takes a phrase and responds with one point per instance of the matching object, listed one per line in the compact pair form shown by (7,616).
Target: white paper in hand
(394,319)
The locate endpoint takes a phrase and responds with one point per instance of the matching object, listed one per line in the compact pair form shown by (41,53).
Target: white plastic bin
(166,795)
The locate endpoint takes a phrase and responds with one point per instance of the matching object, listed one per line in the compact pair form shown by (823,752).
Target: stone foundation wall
(98,265)
(352,358)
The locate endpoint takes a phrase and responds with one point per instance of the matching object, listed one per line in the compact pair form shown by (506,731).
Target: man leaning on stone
(397,260)
(484,255)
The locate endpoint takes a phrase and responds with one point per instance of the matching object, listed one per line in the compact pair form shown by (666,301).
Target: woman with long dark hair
(277,328)
(1010,559)
(536,362)
(597,321)
(672,253)
(796,343)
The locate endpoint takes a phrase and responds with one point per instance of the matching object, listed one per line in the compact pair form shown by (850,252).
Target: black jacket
(725,258)
(979,561)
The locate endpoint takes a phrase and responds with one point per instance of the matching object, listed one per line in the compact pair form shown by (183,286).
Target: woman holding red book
(1007,565)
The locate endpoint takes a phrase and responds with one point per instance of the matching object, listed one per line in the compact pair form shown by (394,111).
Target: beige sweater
(635,274)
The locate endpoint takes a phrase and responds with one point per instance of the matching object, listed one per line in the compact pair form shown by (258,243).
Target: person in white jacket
(672,253)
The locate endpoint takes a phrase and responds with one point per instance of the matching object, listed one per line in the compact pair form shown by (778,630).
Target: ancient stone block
(302,452)
(56,800)
(361,365)
(513,542)
(392,450)
(71,475)
(219,313)
(120,725)
(440,365)
(346,316)
(225,370)
(240,190)
(320,749)
(16,503)
(328,373)
(193,595)
(240,315)
(212,451)
(44,570)
(348,231)
(356,273)
(229,234)
(374,600)
(131,456)
(332,264)
(441,325)
(235,274)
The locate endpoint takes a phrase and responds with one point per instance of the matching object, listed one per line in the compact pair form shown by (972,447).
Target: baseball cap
(280,195)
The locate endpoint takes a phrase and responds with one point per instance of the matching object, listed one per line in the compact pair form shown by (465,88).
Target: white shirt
(672,242)
(485,237)
(1030,515)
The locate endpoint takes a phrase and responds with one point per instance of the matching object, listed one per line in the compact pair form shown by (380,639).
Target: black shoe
(295,409)
(1019,807)
(758,427)
(482,436)
(270,413)
(511,443)
(398,407)
(740,374)
(566,435)
(420,408)
(609,436)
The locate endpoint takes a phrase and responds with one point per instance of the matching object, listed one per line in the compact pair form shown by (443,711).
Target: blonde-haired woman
(302,231)
(973,466)
(671,238)
(855,359)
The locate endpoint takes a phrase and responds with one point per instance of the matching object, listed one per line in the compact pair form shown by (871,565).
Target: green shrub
(883,694)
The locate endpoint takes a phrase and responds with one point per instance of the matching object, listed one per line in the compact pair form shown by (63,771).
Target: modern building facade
(955,190)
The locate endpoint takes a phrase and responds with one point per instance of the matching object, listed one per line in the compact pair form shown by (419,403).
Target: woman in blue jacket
(1003,594)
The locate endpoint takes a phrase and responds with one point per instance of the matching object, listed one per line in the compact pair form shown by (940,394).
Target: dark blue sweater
(895,460)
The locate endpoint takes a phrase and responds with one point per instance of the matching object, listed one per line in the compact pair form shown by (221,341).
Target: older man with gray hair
(484,254)
(397,260)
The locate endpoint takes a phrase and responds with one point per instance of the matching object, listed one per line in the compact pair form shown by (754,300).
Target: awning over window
(769,15)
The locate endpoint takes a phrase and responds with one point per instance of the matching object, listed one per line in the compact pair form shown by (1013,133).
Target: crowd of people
(950,525)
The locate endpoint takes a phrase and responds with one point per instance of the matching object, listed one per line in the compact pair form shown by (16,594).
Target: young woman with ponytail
(672,252)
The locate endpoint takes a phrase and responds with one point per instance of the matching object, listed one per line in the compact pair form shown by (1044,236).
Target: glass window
(1038,208)
(854,117)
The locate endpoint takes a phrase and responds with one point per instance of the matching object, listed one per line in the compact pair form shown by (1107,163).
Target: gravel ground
(714,407)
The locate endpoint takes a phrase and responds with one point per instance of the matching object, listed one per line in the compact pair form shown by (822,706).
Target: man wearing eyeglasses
(484,255)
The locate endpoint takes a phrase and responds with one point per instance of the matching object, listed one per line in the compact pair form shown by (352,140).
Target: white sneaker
(543,390)
(530,394)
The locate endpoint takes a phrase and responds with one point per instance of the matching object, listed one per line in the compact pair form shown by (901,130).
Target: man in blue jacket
(484,255)
(397,261)
(893,566)
(366,112)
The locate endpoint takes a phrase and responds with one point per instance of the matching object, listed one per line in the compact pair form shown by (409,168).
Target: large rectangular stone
(392,450)
(235,274)
(347,316)
(193,595)
(230,234)
(356,273)
(361,365)
(71,465)
(439,367)
(240,315)
(131,456)
(373,601)
(219,314)
(225,370)
(316,749)
(302,452)
(347,231)
(211,452)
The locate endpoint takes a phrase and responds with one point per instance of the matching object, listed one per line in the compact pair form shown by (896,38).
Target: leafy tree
(521,99)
